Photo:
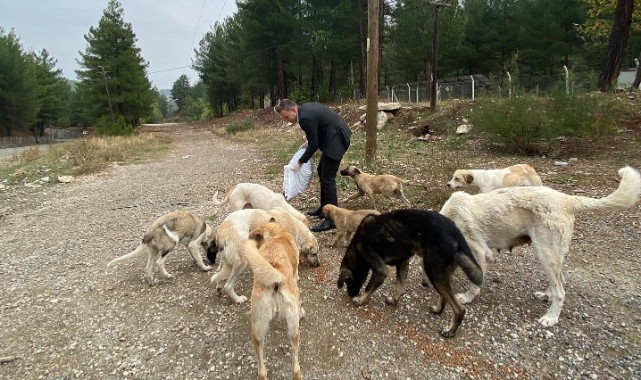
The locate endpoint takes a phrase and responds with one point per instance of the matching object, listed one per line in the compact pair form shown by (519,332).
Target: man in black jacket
(327,131)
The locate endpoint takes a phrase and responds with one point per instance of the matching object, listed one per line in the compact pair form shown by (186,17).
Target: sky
(168,31)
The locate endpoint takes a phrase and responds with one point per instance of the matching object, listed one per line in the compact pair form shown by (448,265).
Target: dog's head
(265,232)
(328,211)
(355,266)
(350,171)
(310,250)
(209,244)
(460,178)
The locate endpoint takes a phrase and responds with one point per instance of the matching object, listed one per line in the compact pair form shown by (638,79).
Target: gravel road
(65,315)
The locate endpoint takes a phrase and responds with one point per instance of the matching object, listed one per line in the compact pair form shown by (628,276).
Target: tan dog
(273,258)
(346,220)
(252,195)
(513,216)
(232,233)
(492,179)
(168,231)
(369,184)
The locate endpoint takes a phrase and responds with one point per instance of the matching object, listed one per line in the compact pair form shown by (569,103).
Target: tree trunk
(362,32)
(618,40)
(637,78)
(282,80)
(333,86)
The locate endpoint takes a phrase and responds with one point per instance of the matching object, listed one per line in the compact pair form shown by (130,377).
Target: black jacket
(325,130)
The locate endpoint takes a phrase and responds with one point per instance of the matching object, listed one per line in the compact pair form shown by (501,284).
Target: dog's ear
(344,275)
(258,236)
(356,170)
(468,178)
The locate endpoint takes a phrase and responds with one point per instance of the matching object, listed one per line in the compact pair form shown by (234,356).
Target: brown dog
(273,258)
(492,179)
(369,184)
(346,220)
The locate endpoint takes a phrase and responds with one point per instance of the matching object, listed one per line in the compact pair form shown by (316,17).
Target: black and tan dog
(392,239)
(386,185)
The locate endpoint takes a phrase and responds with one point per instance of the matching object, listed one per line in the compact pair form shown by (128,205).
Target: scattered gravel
(64,315)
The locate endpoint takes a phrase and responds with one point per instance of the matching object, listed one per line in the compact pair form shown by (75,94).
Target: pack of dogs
(268,235)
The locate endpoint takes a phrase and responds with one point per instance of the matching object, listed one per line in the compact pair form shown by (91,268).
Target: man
(327,131)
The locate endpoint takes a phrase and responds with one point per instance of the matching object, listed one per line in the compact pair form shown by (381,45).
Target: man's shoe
(315,211)
(325,225)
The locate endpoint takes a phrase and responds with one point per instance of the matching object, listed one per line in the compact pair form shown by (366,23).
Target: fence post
(509,81)
(388,93)
(417,86)
(567,80)
(472,77)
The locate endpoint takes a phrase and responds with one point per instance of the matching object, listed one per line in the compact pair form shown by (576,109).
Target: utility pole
(373,11)
(104,79)
(436,5)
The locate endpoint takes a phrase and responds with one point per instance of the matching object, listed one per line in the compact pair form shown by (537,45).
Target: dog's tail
(140,249)
(219,202)
(625,196)
(410,183)
(263,271)
(471,268)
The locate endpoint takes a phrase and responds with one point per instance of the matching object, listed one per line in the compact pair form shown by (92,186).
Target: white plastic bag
(296,181)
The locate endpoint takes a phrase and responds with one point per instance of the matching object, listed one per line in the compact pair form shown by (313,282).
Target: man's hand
(295,167)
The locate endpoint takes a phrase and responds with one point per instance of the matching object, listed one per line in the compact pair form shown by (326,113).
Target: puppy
(492,179)
(392,239)
(168,231)
(232,233)
(273,258)
(346,220)
(513,216)
(368,184)
(251,195)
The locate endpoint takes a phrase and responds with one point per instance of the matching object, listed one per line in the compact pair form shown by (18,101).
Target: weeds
(245,125)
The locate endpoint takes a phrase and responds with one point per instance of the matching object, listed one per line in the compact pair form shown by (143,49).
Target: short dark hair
(284,105)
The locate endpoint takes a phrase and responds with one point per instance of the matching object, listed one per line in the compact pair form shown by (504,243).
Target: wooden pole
(373,10)
(436,5)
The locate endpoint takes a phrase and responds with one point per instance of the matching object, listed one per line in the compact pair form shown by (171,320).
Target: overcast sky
(168,31)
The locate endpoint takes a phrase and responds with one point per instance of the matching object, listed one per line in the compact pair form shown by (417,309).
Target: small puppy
(368,184)
(168,231)
(252,195)
(232,233)
(492,179)
(346,221)
(273,258)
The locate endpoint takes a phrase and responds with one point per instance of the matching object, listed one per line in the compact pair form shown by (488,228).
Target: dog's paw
(447,333)
(542,296)
(301,314)
(548,321)
(359,301)
(464,298)
(207,268)
(391,301)
(240,299)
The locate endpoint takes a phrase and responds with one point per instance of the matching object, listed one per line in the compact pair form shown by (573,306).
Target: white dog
(252,195)
(492,179)
(513,216)
(273,257)
(233,232)
(168,231)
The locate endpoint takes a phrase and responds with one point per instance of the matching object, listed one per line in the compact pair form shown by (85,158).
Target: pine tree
(180,91)
(18,105)
(114,73)
(53,92)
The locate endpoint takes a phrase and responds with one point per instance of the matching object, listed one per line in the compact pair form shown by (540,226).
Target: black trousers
(327,169)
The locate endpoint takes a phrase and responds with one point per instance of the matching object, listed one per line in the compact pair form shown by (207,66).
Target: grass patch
(243,126)
(85,156)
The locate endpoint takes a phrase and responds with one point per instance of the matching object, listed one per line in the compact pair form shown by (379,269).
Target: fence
(50,136)
(574,82)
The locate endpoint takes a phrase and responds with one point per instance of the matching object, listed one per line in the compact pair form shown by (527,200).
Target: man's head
(288,110)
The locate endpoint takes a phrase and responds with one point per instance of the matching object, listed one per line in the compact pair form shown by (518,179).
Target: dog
(370,185)
(252,195)
(492,179)
(168,231)
(231,234)
(346,220)
(544,217)
(392,239)
(273,257)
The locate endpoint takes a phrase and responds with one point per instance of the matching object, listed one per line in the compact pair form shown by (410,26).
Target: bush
(531,125)
(245,125)
(106,127)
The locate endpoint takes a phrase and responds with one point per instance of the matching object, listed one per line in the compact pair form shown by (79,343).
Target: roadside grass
(86,156)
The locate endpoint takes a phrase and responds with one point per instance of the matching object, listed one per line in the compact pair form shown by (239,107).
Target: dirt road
(64,315)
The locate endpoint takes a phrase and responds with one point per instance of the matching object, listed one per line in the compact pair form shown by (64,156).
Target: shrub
(106,127)
(245,125)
